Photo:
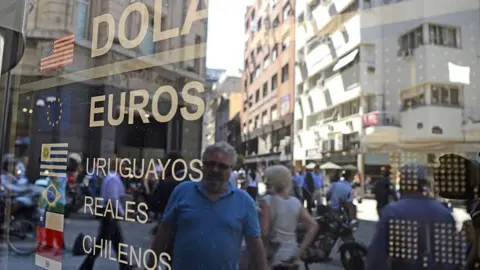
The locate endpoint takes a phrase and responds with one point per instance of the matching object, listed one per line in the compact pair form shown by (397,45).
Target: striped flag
(53,161)
(58,54)
(49,241)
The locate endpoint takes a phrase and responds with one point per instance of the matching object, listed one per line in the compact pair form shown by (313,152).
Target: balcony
(342,42)
(472,125)
(381,127)
(427,123)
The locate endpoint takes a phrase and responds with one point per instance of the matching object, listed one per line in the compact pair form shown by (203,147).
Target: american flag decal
(58,54)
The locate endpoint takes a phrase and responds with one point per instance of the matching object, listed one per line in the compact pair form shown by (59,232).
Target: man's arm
(252,236)
(165,230)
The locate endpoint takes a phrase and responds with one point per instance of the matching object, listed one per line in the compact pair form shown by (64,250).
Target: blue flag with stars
(53,110)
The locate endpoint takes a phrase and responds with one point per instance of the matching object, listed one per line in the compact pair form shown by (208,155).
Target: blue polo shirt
(299,180)
(340,192)
(208,235)
(419,217)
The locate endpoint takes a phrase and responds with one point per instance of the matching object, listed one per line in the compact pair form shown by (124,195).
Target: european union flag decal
(53,111)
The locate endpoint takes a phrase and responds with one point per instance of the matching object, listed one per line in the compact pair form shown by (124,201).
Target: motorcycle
(334,227)
(25,201)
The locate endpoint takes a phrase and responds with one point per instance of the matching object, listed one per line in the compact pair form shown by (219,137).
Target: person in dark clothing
(308,191)
(165,189)
(383,190)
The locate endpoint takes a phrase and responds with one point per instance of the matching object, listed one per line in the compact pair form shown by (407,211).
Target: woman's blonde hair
(278,177)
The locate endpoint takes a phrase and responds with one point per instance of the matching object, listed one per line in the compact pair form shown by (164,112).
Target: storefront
(92,98)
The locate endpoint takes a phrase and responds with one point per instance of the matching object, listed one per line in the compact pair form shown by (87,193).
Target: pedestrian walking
(384,190)
(280,215)
(253,179)
(318,185)
(210,218)
(298,183)
(112,190)
(408,230)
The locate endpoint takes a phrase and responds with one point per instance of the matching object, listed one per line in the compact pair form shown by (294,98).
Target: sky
(225,37)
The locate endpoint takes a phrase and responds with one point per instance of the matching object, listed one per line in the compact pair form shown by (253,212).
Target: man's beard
(213,183)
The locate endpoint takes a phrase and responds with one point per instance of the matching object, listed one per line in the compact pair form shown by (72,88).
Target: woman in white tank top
(280,215)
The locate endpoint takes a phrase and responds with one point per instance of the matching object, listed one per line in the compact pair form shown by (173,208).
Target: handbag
(271,247)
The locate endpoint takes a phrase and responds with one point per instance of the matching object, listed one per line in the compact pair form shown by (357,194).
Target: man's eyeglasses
(213,164)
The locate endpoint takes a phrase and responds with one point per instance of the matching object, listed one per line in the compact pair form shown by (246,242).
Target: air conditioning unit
(408,53)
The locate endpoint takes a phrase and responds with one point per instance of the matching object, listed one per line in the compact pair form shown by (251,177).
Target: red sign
(370,120)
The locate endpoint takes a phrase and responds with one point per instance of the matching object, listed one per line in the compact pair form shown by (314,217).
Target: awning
(345,60)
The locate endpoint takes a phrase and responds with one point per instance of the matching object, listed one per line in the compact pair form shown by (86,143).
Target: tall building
(375,77)
(210,97)
(228,107)
(126,66)
(267,113)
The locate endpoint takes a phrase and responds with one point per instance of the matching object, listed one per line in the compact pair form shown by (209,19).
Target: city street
(136,235)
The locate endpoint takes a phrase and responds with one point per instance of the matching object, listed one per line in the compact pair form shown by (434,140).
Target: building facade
(210,97)
(375,77)
(228,107)
(267,113)
(115,72)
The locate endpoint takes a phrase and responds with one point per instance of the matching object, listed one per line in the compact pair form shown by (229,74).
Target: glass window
(95,131)
(147,46)
(285,76)
(83,19)
(274,82)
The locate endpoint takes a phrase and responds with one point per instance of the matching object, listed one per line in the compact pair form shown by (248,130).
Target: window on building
(250,125)
(274,82)
(443,35)
(247,26)
(253,15)
(412,39)
(445,95)
(286,11)
(274,52)
(257,96)
(245,105)
(246,83)
(350,108)
(285,44)
(147,46)
(266,61)
(82,19)
(259,24)
(264,118)
(371,104)
(252,76)
(273,113)
(257,121)
(265,89)
(285,73)
(412,102)
(250,101)
(276,22)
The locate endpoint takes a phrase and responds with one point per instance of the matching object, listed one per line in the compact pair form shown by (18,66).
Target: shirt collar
(201,189)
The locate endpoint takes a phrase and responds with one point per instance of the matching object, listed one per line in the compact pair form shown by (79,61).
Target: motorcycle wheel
(353,259)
